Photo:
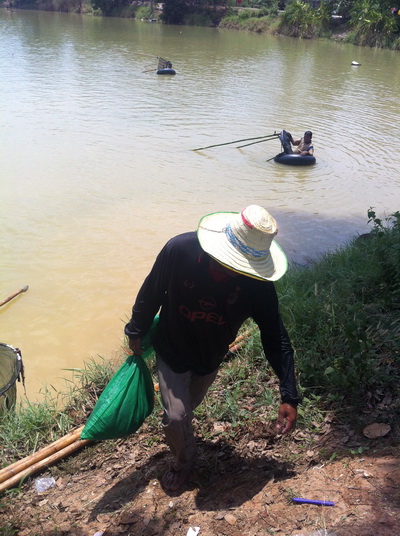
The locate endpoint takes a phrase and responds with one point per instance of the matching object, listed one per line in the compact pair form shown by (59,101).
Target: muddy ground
(244,486)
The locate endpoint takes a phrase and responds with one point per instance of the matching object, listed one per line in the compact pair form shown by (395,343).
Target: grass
(368,27)
(342,313)
(34,425)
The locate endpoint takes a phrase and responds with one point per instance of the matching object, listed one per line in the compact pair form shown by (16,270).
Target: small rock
(220,515)
(377,429)
(231,519)
(127,518)
(268,499)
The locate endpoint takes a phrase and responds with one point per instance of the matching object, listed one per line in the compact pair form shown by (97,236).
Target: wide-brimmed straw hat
(244,241)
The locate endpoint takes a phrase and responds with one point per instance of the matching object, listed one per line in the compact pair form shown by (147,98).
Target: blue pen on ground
(312,501)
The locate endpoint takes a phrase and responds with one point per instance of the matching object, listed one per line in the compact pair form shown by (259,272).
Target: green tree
(372,21)
(301,20)
(340,7)
(108,7)
(174,11)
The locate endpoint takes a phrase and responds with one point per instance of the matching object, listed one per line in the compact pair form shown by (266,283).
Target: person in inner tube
(304,145)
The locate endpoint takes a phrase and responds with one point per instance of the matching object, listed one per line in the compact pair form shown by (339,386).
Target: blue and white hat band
(244,242)
(239,245)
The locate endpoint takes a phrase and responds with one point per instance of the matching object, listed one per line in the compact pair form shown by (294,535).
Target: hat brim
(213,240)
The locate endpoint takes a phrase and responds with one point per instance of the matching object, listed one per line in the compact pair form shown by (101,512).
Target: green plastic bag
(127,399)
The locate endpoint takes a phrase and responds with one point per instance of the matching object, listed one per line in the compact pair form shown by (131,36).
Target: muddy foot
(174,480)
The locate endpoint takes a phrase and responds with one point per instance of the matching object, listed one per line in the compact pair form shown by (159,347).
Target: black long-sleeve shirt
(200,317)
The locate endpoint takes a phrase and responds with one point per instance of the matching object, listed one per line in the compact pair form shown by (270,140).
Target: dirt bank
(244,486)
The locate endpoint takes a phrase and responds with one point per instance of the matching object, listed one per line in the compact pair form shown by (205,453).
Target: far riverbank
(358,26)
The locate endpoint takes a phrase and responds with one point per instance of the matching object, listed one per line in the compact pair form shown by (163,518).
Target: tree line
(366,22)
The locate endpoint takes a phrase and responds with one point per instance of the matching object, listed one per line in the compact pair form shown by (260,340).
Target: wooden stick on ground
(23,289)
(45,452)
(43,463)
(240,340)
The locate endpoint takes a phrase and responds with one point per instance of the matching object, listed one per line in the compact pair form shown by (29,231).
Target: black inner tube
(295,159)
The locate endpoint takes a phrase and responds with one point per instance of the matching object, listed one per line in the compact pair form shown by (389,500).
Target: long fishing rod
(143,54)
(236,141)
(254,142)
(23,289)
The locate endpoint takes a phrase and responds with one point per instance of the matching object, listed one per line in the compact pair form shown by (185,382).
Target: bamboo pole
(236,141)
(149,55)
(43,463)
(240,340)
(241,337)
(23,289)
(254,142)
(20,465)
(235,348)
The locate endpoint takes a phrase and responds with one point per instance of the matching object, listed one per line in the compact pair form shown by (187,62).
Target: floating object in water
(165,67)
(355,63)
(166,71)
(287,156)
(295,159)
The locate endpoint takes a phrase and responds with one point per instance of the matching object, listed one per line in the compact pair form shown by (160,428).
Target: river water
(98,168)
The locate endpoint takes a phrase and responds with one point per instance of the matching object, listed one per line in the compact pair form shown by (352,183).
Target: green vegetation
(372,24)
(301,20)
(360,22)
(66,6)
(343,315)
(363,22)
(261,21)
(36,424)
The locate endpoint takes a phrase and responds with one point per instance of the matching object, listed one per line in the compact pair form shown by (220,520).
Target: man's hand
(287,418)
(136,346)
